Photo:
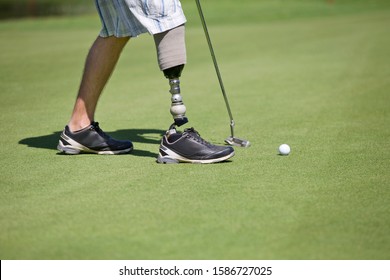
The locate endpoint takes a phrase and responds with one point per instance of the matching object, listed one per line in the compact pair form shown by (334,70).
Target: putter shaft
(231,140)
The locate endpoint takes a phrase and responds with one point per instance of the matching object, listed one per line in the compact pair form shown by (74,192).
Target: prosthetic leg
(178,109)
(186,146)
(171,53)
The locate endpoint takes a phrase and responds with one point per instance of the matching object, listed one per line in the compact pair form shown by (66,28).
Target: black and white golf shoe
(91,140)
(189,147)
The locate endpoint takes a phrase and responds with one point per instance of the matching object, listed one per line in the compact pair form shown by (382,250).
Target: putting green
(314,76)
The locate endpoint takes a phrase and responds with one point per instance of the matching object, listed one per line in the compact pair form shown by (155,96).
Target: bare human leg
(99,65)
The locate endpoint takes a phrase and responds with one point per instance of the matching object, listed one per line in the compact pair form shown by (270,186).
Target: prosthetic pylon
(178,109)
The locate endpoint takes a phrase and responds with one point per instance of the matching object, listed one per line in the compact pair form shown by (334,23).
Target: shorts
(124,18)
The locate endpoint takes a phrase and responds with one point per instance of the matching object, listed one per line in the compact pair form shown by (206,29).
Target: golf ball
(284,149)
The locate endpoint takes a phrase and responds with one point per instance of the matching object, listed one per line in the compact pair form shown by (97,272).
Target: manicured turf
(315,76)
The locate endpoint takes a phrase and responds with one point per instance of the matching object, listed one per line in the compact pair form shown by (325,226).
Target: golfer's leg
(171,54)
(99,65)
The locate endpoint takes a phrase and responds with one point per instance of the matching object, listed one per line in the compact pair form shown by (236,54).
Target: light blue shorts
(123,18)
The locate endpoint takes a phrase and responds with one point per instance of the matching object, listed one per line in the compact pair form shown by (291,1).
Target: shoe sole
(174,158)
(75,148)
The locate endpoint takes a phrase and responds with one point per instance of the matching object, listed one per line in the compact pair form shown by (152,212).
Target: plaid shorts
(122,18)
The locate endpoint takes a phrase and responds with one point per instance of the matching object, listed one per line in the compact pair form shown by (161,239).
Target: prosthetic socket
(178,109)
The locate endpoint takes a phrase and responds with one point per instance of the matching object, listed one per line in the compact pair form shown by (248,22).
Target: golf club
(231,140)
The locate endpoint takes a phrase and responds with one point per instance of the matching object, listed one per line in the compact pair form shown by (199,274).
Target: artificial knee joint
(178,109)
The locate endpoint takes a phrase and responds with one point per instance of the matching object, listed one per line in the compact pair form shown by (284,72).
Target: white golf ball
(284,149)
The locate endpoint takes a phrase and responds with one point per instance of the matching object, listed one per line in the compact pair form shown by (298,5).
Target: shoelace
(191,132)
(96,127)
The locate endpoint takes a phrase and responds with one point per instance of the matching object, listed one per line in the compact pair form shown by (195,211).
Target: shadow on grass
(148,136)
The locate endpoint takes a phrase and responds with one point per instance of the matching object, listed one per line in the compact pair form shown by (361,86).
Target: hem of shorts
(151,31)
(117,35)
(161,27)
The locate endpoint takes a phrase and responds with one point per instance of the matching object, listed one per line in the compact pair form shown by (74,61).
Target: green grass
(317,80)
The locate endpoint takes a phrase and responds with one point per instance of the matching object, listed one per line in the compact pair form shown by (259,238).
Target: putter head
(234,141)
